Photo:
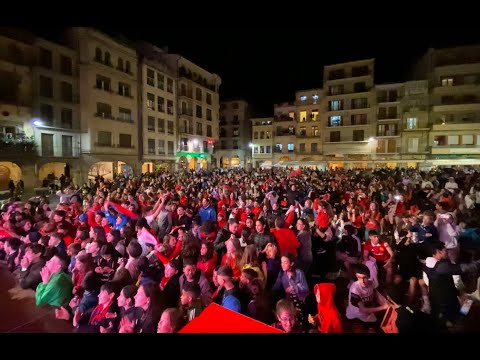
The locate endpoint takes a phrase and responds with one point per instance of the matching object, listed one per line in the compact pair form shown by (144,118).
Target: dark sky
(266,65)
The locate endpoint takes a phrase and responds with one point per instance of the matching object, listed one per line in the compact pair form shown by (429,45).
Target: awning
(217,319)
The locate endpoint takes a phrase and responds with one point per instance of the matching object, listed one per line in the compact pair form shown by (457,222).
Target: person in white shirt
(451,184)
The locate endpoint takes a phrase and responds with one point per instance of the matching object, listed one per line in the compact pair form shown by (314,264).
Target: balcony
(60,151)
(453,127)
(185,130)
(455,149)
(282,118)
(388,134)
(17,146)
(285,132)
(187,94)
(186,73)
(187,112)
(465,103)
(388,99)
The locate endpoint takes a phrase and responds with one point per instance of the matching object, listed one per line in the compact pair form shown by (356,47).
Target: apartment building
(454,116)
(388,125)
(262,142)
(17,143)
(157,109)
(308,127)
(415,126)
(284,129)
(349,114)
(198,114)
(233,149)
(108,104)
(56,115)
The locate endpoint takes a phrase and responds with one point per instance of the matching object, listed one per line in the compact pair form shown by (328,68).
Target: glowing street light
(250,145)
(37,122)
(195,142)
(371,138)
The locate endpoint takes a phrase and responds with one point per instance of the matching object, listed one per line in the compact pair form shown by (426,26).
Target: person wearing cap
(230,299)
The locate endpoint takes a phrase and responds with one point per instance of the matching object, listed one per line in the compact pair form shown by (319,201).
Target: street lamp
(250,145)
(37,122)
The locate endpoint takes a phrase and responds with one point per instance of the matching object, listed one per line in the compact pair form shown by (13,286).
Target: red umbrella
(217,319)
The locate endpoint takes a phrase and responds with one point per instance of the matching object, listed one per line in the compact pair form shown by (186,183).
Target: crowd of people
(303,251)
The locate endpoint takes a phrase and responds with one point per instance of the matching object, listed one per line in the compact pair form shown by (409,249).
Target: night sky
(267,65)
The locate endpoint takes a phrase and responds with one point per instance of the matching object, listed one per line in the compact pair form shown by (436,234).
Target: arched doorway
(101,169)
(124,169)
(9,171)
(183,162)
(284,158)
(235,162)
(53,170)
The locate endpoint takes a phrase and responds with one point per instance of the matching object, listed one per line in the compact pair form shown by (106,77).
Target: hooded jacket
(328,315)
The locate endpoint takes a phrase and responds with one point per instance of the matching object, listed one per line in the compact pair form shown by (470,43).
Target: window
(255,135)
(209,130)
(335,136)
(447,81)
(315,131)
(262,149)
(67,142)
(303,98)
(235,144)
(412,145)
(440,140)
(392,112)
(359,119)
(359,87)
(222,145)
(108,59)
(160,104)
(335,90)
(98,55)
(314,147)
(45,58)
(235,119)
(278,148)
(255,149)
(336,74)
(199,129)
(65,65)
(104,110)
(170,148)
(160,81)
(14,54)
(209,114)
(411,123)
(123,89)
(120,64)
(314,115)
(453,140)
(467,139)
(46,87)
(161,147)
(315,99)
(198,94)
(382,113)
(235,133)
(335,105)
(303,116)
(127,67)
(447,100)
(151,102)
(198,111)
(102,83)
(387,130)
(290,147)
(262,134)
(67,91)
(161,125)
(67,118)
(386,146)
(392,96)
(104,138)
(151,146)
(303,131)
(335,120)
(209,99)
(125,114)
(360,103)
(46,114)
(150,77)
(170,85)
(291,115)
(170,107)
(170,127)
(125,141)
(358,135)
(269,148)
(268,135)
(151,123)
(47,144)
(291,130)
(302,147)
(360,71)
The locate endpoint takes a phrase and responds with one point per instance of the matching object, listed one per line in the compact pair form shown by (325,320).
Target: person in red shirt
(286,239)
(381,252)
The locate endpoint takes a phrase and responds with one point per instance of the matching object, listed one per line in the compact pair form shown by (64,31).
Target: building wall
(264,125)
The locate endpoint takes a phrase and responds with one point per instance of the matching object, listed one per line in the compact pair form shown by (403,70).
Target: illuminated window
(411,123)
(315,98)
(303,98)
